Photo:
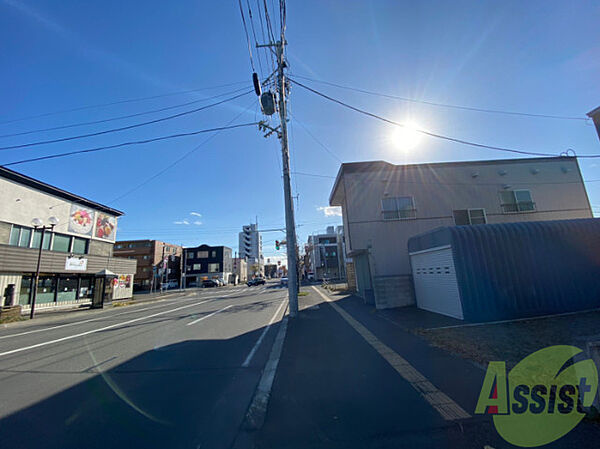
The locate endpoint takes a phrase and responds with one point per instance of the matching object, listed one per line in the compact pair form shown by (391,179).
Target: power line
(247,36)
(113,103)
(124,128)
(331,153)
(428,133)
(185,155)
(254,35)
(121,117)
(444,105)
(124,144)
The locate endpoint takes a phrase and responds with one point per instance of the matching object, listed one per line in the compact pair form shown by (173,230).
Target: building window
(516,201)
(118,246)
(80,246)
(145,257)
(197,267)
(398,208)
(469,217)
(190,255)
(213,254)
(25,238)
(14,235)
(61,243)
(213,267)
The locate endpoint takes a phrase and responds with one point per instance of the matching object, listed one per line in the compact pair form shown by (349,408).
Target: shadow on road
(189,394)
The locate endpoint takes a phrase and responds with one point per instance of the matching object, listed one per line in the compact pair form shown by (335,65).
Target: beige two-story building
(383,205)
(76,260)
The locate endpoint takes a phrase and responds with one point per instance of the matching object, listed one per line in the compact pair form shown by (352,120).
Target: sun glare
(407,137)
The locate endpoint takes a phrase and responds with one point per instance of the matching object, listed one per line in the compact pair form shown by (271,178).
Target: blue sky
(535,56)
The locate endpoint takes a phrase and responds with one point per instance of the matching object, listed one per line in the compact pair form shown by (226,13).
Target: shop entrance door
(98,298)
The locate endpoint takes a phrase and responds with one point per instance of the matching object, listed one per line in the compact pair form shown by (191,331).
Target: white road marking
(255,416)
(209,315)
(86,321)
(112,326)
(262,336)
(445,406)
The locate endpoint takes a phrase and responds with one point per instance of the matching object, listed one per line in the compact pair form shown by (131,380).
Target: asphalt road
(174,373)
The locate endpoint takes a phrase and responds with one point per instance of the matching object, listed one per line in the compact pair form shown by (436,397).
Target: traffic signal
(276,244)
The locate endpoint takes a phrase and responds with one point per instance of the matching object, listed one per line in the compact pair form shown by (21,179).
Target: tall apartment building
(384,205)
(150,255)
(250,248)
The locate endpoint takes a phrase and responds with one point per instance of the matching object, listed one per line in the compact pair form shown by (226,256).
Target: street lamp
(39,224)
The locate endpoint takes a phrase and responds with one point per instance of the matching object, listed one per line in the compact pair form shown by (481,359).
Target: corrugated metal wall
(516,270)
(23,260)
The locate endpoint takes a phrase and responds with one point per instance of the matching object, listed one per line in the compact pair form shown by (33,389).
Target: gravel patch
(513,341)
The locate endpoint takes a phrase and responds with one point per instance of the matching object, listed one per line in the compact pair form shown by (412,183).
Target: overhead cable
(431,134)
(443,105)
(124,144)
(113,103)
(124,128)
(121,117)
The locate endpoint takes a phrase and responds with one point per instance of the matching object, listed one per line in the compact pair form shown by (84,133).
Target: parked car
(207,283)
(220,282)
(256,281)
(172,284)
(283,282)
(310,276)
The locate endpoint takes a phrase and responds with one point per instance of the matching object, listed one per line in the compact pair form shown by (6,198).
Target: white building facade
(250,248)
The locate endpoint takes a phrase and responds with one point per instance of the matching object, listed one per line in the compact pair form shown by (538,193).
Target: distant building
(271,270)
(208,262)
(250,248)
(151,256)
(240,269)
(384,205)
(324,254)
(77,264)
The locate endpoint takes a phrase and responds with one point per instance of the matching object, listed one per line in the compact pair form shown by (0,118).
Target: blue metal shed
(510,270)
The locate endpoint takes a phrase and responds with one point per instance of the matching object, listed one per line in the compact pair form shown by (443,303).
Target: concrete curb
(255,416)
(257,411)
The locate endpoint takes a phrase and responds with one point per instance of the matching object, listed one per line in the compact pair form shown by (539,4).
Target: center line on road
(112,326)
(262,336)
(106,316)
(209,315)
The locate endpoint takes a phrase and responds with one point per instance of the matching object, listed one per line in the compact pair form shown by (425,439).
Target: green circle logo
(543,397)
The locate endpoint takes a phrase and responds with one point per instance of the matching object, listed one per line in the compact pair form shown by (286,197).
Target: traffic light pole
(290,224)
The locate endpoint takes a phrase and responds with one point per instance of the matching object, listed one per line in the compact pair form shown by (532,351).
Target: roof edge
(28,181)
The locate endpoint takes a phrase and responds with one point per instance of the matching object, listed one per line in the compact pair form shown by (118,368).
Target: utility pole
(290,222)
(181,268)
(162,263)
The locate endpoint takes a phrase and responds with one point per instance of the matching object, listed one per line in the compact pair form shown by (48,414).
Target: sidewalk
(335,389)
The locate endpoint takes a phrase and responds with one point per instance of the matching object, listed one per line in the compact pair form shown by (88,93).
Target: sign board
(75,264)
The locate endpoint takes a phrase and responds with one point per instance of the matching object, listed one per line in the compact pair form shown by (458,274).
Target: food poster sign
(81,220)
(122,281)
(106,226)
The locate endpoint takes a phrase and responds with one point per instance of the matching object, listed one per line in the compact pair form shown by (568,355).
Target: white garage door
(434,276)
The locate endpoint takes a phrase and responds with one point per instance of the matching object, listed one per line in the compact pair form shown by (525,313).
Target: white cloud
(182,222)
(330,211)
(195,214)
(197,222)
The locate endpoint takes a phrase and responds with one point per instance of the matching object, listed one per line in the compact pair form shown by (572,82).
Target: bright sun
(407,137)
